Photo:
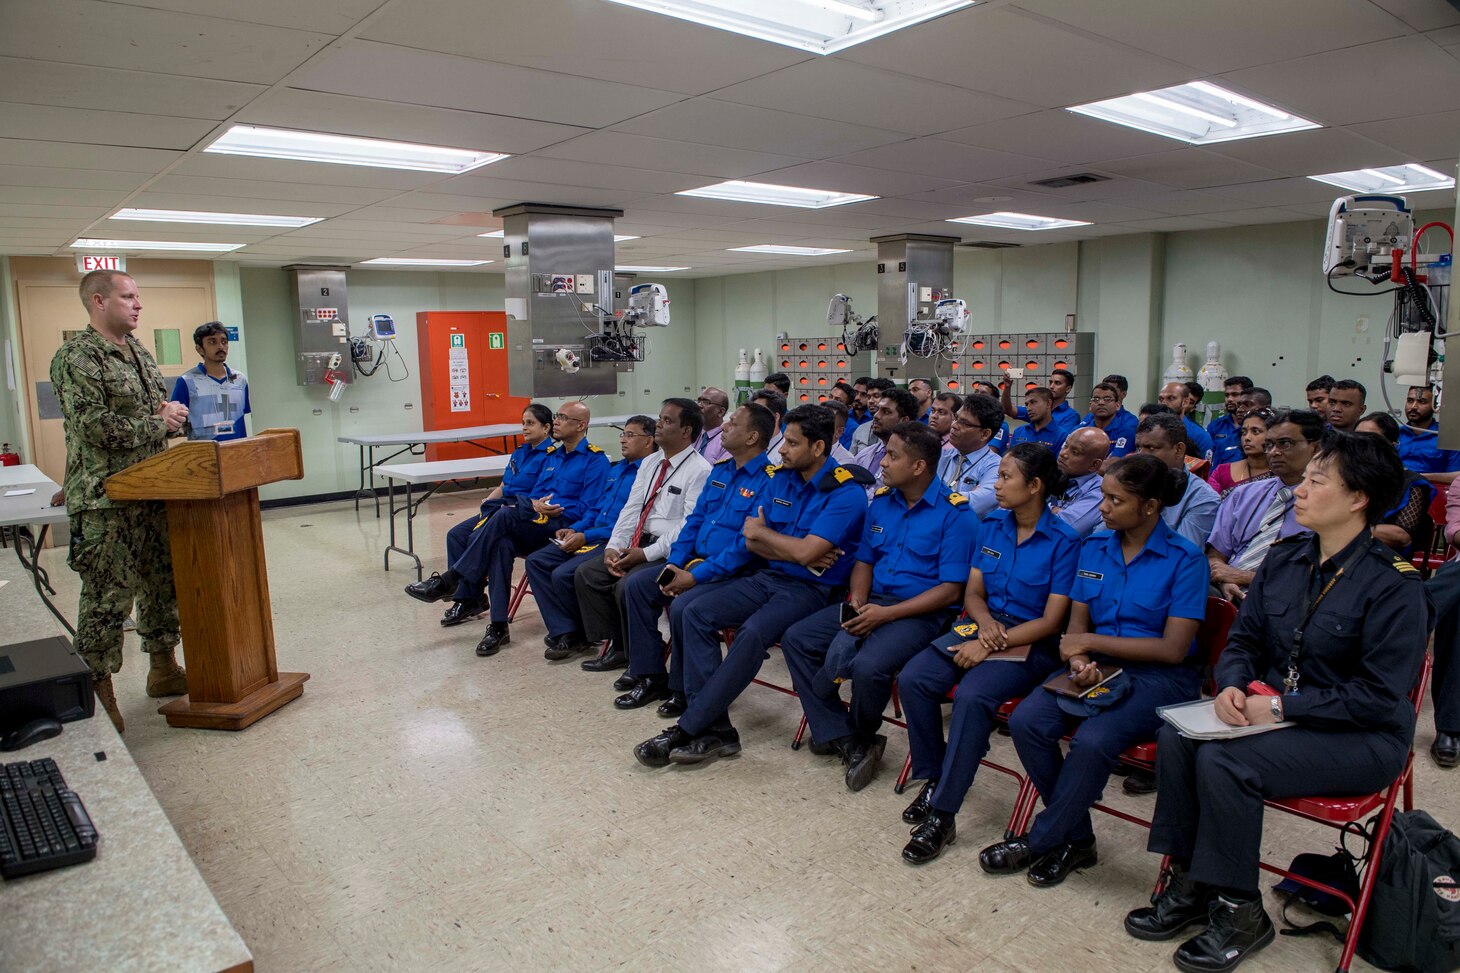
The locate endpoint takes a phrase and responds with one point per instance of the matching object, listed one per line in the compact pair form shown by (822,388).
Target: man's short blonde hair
(99,282)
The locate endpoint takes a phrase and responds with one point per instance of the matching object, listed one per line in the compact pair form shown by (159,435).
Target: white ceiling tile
(299,192)
(52,211)
(653,211)
(1004,51)
(591,40)
(85,86)
(1307,153)
(711,122)
(325,16)
(1306,84)
(1061,136)
(1112,186)
(280,170)
(668,155)
(1422,14)
(78,155)
(1188,169)
(1280,192)
(47,123)
(62,196)
(598,175)
(42,176)
(1185,203)
(1170,224)
(1416,137)
(1232,34)
(1268,214)
(841,178)
(398,74)
(151,199)
(342,115)
(946,160)
(141,39)
(526,191)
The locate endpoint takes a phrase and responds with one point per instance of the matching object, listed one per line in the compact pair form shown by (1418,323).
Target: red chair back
(1211,637)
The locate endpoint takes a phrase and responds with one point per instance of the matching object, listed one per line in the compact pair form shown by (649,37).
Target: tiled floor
(423,809)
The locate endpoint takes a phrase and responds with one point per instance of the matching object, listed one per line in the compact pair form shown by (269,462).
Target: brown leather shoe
(107,696)
(166,677)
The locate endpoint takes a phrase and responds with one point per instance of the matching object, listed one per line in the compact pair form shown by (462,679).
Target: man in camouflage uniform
(116,413)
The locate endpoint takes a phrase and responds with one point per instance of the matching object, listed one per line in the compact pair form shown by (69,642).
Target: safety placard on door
(460,374)
(496,340)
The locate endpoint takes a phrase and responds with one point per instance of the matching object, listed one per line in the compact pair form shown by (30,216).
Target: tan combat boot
(166,677)
(107,696)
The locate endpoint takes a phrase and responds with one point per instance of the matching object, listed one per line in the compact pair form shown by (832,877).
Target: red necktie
(649,502)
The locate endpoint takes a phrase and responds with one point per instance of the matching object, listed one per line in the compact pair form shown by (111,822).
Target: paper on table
(1199,721)
(20,493)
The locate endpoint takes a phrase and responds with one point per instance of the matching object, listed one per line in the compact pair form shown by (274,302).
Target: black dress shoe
(607,662)
(1180,906)
(625,682)
(1006,857)
(496,637)
(463,611)
(564,646)
(673,707)
(654,752)
(930,838)
(917,812)
(1446,750)
(823,749)
(434,588)
(646,690)
(862,761)
(1235,930)
(1139,782)
(706,747)
(1054,867)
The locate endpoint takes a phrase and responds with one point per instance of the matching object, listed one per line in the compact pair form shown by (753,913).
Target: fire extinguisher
(8,456)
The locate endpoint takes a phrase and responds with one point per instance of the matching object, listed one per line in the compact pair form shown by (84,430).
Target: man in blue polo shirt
(1062,415)
(1110,416)
(1040,427)
(1173,396)
(922,392)
(901,592)
(1419,440)
(216,395)
(1225,429)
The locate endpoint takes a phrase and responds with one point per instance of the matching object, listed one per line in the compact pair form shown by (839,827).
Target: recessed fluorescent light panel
(219,219)
(1018,221)
(772,195)
(636,269)
(1389,179)
(92,244)
(788,251)
(347,150)
(1198,112)
(499,234)
(419,262)
(818,26)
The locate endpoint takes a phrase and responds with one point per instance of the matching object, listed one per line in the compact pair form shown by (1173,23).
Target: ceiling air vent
(989,245)
(1075,179)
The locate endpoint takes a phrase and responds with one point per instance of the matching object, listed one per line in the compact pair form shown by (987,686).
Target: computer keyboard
(42,822)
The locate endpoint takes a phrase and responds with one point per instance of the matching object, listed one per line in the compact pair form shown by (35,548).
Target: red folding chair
(1438,550)
(519,592)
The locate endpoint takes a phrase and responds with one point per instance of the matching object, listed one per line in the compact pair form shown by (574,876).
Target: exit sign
(458,341)
(496,339)
(87,262)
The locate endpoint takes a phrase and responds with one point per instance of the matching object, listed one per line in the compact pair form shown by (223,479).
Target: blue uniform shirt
(912,549)
(1019,578)
(1420,451)
(1000,442)
(1079,506)
(524,466)
(972,475)
(850,430)
(597,527)
(1062,417)
(828,505)
(1121,430)
(1196,513)
(1198,437)
(575,478)
(711,533)
(1226,440)
(1051,435)
(1167,579)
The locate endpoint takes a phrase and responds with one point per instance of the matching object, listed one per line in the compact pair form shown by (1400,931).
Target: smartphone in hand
(665,576)
(848,612)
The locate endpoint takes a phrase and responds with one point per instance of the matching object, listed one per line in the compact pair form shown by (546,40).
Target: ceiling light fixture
(739,191)
(1411,177)
(420,262)
(219,219)
(1197,112)
(499,234)
(1018,221)
(88,243)
(638,269)
(818,26)
(787,251)
(348,150)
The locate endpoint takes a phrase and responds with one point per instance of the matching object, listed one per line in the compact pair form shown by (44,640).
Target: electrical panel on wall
(321,329)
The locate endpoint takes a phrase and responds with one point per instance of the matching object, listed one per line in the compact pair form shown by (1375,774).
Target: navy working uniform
(550,570)
(706,548)
(898,541)
(831,505)
(1167,579)
(575,478)
(1079,505)
(1359,657)
(523,468)
(1419,450)
(1226,440)
(1120,430)
(1052,435)
(1018,579)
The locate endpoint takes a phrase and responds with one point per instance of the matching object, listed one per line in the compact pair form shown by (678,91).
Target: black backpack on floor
(1413,925)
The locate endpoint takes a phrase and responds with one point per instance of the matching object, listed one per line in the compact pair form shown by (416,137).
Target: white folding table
(434,474)
(25,512)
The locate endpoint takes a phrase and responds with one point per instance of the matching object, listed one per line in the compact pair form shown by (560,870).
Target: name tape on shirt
(990,552)
(1091,575)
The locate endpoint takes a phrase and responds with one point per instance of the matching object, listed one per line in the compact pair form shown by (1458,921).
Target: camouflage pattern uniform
(109,398)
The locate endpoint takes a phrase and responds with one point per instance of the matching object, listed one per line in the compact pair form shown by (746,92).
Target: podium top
(207,470)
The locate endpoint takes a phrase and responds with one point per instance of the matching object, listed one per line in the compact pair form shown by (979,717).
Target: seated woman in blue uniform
(1331,638)
(1016,601)
(1140,593)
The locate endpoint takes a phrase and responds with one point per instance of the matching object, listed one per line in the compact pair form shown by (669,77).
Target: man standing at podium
(114,405)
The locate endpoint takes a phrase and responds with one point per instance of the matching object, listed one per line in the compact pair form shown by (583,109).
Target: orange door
(464,375)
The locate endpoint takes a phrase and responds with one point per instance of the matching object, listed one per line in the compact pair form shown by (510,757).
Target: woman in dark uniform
(1330,638)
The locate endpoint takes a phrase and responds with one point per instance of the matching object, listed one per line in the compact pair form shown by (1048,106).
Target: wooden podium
(222,582)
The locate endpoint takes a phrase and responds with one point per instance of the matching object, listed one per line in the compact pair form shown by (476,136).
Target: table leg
(39,578)
(410,549)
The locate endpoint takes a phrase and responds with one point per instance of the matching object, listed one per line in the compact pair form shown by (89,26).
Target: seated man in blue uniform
(550,569)
(1041,427)
(1225,429)
(1175,396)
(893,405)
(1419,439)
(910,569)
(968,465)
(523,466)
(1331,639)
(811,508)
(1080,460)
(1108,415)
(1062,415)
(571,482)
(1163,436)
(706,550)
(1000,442)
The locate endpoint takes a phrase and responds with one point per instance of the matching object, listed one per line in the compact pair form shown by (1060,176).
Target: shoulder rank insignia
(1403,566)
(594,449)
(770,469)
(726,459)
(882,491)
(842,475)
(957,499)
(553,448)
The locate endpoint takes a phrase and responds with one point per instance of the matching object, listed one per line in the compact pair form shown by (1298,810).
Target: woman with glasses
(1253,464)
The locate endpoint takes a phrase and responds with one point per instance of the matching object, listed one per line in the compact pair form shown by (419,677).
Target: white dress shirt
(675,501)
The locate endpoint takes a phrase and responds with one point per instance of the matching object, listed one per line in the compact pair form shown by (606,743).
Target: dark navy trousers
(550,571)
(460,538)
(1444,590)
(510,534)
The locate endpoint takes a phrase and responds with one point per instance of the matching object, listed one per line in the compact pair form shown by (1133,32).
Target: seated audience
(1346,404)
(1408,524)
(1000,442)
(1177,397)
(714,405)
(1225,429)
(968,464)
(776,402)
(1253,464)
(1419,439)
(1081,459)
(940,415)
(1317,393)
(1040,426)
(1192,514)
(1107,415)
(1061,414)
(894,405)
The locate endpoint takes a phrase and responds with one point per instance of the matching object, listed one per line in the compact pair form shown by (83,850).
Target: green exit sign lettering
(496,340)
